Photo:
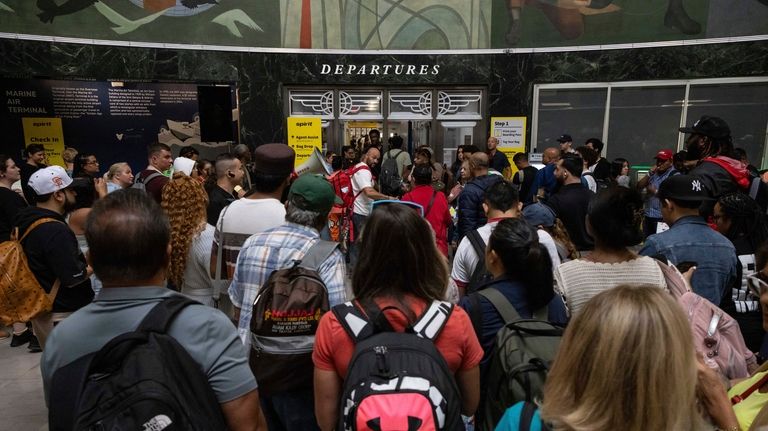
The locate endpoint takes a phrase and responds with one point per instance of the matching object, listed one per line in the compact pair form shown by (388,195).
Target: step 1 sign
(304,135)
(510,131)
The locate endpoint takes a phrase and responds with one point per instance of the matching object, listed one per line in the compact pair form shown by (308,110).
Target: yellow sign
(510,131)
(304,135)
(46,131)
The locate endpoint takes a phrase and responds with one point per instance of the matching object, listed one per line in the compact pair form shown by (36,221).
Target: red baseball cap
(664,155)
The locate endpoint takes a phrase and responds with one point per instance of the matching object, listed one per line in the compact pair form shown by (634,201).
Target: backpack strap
(161,315)
(219,258)
(317,254)
(526,416)
(433,320)
(35,224)
(149,177)
(354,321)
(754,187)
(479,246)
(501,304)
(431,202)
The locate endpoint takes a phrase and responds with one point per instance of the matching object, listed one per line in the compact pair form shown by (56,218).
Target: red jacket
(438,215)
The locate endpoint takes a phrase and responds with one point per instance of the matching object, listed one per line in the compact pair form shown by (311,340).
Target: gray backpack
(522,355)
(141,183)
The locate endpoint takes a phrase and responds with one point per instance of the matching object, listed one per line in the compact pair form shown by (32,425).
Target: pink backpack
(716,335)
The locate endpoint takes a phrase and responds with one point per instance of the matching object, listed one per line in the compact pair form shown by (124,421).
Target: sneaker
(34,345)
(21,339)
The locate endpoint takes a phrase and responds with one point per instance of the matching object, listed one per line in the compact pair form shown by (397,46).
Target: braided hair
(747,218)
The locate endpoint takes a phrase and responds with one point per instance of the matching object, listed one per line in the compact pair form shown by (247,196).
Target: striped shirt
(276,249)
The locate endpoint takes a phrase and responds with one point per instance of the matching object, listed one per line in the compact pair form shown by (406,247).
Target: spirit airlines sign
(383,69)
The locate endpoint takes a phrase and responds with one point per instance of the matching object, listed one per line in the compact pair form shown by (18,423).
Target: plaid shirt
(275,249)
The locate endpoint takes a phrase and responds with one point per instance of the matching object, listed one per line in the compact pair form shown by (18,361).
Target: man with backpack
(501,201)
(152,179)
(393,166)
(709,143)
(286,278)
(142,356)
(51,249)
(470,202)
(361,179)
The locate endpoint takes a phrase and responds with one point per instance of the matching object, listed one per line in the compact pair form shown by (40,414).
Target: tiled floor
(23,407)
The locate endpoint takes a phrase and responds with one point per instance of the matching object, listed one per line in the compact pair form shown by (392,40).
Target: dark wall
(261,77)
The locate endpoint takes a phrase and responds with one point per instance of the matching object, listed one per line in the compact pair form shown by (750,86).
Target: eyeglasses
(414,205)
(757,283)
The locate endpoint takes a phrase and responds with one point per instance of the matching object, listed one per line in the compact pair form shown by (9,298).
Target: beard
(694,151)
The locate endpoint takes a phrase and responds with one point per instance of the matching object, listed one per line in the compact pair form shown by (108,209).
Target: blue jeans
(290,411)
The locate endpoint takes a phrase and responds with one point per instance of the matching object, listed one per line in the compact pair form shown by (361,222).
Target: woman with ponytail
(522,272)
(613,221)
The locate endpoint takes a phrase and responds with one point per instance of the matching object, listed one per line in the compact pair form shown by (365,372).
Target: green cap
(317,192)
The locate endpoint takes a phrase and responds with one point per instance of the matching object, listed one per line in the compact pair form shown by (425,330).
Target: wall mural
(387,24)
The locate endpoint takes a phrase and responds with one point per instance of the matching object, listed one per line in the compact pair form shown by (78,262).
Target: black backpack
(395,377)
(390,181)
(140,380)
(480,274)
(523,353)
(602,183)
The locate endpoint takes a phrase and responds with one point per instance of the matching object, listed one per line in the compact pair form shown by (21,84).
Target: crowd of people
(380,296)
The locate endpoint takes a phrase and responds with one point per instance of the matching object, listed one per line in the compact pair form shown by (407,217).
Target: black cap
(683,188)
(714,127)
(565,138)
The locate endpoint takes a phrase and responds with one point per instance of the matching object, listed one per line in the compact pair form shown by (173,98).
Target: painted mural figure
(566,17)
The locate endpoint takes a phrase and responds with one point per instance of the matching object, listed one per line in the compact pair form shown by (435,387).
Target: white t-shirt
(362,179)
(250,216)
(465,260)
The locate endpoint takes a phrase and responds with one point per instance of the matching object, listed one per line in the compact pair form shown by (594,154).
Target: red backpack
(342,186)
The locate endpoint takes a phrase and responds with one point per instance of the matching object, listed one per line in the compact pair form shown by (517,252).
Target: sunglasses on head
(414,205)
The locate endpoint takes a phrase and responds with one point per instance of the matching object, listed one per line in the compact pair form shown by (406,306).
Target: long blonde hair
(626,362)
(184,201)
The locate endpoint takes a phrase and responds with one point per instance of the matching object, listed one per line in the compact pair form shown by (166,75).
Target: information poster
(49,133)
(304,135)
(510,131)
(115,121)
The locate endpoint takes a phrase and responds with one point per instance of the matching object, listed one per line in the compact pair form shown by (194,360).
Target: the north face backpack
(140,380)
(141,183)
(480,274)
(286,313)
(397,380)
(21,296)
(522,355)
(390,181)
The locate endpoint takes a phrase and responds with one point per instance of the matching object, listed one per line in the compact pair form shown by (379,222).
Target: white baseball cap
(48,180)
(183,164)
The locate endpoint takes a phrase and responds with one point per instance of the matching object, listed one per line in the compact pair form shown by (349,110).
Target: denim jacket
(690,239)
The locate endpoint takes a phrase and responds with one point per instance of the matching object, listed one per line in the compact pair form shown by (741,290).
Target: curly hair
(184,201)
(747,218)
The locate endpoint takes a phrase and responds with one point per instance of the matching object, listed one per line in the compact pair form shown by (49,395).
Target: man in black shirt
(602,169)
(524,177)
(498,160)
(35,161)
(229,176)
(571,202)
(52,252)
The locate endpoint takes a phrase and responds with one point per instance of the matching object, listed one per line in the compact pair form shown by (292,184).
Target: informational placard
(304,135)
(510,131)
(48,132)
(115,121)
